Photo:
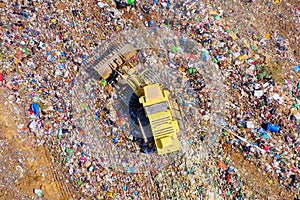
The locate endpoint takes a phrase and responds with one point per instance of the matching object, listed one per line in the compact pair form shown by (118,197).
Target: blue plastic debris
(278,156)
(115,140)
(273,128)
(61,66)
(131,170)
(297,68)
(262,131)
(35,109)
(231,169)
(91,168)
(204,55)
(25,14)
(151,23)
(282,48)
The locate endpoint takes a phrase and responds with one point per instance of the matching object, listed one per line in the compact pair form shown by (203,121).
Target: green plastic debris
(227,31)
(38,192)
(190,70)
(67,159)
(259,37)
(26,52)
(70,151)
(79,183)
(169,4)
(258,134)
(84,106)
(104,82)
(228,192)
(180,101)
(217,17)
(59,133)
(36,99)
(254,48)
(299,86)
(285,162)
(258,66)
(191,171)
(264,74)
(114,167)
(130,2)
(296,106)
(214,59)
(174,49)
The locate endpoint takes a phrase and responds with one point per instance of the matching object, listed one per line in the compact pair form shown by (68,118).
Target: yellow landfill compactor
(157,108)
(155,101)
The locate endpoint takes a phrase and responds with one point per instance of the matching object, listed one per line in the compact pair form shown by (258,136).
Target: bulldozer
(163,114)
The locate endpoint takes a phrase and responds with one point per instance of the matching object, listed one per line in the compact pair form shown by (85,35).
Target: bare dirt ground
(261,184)
(23,167)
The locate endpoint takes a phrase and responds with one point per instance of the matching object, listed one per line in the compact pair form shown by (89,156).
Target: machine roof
(153,93)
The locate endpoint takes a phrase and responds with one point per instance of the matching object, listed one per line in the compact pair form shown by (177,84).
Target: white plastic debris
(258,93)
(250,124)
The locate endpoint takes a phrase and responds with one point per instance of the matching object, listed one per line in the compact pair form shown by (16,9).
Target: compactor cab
(158,110)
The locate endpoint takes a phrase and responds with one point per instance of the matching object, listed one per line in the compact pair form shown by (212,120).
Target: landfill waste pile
(238,91)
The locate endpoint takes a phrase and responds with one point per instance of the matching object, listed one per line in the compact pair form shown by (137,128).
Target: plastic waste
(38,192)
(297,68)
(273,128)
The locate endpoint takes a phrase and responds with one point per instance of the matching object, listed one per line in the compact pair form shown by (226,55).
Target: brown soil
(36,165)
(257,181)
